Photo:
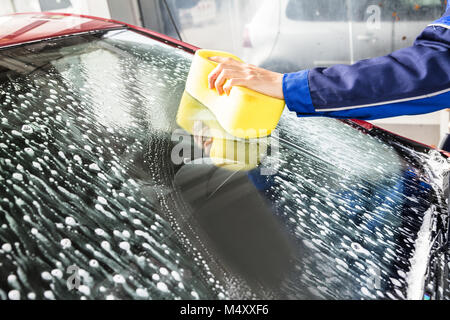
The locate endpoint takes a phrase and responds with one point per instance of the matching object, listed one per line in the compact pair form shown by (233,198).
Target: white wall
(126,11)
(98,8)
(26,5)
(6,7)
(427,128)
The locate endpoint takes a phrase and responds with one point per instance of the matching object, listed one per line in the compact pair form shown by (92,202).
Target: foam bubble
(163,271)
(84,290)
(17,176)
(14,295)
(57,273)
(49,295)
(156,277)
(29,151)
(176,275)
(118,278)
(66,243)
(46,276)
(102,200)
(27,129)
(100,232)
(93,263)
(12,279)
(94,167)
(105,245)
(162,286)
(143,293)
(70,221)
(124,245)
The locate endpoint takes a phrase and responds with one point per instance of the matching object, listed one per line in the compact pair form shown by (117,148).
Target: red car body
(29,27)
(21,28)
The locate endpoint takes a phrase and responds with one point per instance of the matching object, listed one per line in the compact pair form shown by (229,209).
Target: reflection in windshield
(227,206)
(219,146)
(89,190)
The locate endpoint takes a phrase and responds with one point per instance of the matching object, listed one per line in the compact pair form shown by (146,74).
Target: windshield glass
(94,205)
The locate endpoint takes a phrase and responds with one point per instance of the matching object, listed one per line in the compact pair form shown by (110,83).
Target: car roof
(35,26)
(28,27)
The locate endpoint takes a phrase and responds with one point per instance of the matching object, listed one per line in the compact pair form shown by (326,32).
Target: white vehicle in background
(288,35)
(202,13)
(65,6)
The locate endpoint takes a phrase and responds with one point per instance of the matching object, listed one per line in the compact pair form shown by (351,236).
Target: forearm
(410,81)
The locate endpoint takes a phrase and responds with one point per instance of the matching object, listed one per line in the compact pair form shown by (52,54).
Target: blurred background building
(282,35)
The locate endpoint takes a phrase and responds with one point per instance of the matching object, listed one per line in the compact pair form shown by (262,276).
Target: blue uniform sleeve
(414,80)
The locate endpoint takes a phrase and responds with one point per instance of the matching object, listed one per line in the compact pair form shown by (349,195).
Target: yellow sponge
(244,113)
(226,150)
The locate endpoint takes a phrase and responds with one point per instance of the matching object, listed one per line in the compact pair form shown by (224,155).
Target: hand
(244,75)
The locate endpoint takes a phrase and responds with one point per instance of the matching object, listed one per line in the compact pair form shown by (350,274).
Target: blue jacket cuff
(296,92)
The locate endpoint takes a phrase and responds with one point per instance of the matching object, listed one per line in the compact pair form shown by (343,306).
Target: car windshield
(93,205)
